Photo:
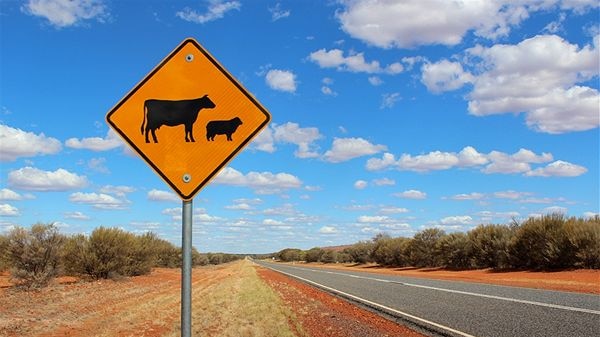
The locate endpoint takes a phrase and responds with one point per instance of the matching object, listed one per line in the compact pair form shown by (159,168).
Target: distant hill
(336,248)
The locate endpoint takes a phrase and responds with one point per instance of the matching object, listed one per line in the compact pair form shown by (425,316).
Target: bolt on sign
(188,118)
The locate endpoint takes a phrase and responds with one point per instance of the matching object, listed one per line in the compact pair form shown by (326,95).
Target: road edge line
(377,306)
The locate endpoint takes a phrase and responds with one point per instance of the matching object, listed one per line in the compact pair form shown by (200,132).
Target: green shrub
(76,256)
(542,243)
(343,257)
(4,263)
(34,254)
(314,254)
(388,251)
(490,246)
(454,251)
(584,238)
(421,249)
(329,256)
(360,252)
(290,255)
(142,255)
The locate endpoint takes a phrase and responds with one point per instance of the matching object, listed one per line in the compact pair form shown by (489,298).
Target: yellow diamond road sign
(188,118)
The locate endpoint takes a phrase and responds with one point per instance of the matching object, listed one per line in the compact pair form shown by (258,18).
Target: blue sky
(387,116)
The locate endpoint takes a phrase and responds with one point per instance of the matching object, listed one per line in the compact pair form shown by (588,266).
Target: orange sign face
(188,118)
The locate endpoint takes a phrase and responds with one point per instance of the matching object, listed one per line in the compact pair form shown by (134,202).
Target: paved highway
(461,308)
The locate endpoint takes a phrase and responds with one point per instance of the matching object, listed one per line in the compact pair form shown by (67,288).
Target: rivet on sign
(189,57)
(187,178)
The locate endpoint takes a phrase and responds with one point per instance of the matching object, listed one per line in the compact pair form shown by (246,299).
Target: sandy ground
(581,280)
(149,305)
(322,315)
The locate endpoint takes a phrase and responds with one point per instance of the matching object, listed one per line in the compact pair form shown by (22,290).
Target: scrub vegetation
(549,242)
(36,255)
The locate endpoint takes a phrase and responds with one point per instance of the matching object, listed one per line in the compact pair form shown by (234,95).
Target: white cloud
(328,230)
(375,81)
(510,194)
(444,76)
(282,80)
(289,133)
(159,195)
(76,216)
(355,63)
(558,168)
(555,209)
(344,149)
(98,165)
(304,138)
(9,195)
(539,77)
(261,182)
(384,182)
(109,142)
(457,220)
(411,194)
(360,184)
(389,100)
(33,179)
(373,219)
(435,160)
(264,141)
(469,196)
(516,163)
(119,191)
(438,21)
(278,13)
(393,210)
(98,200)
(64,13)
(328,91)
(16,143)
(216,10)
(493,162)
(8,210)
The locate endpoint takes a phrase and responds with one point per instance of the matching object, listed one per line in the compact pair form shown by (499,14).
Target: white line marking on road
(377,305)
(548,305)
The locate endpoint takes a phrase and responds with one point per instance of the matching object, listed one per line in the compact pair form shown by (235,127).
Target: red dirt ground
(581,280)
(323,315)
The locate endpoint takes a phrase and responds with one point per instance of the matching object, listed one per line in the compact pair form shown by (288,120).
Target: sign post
(186,269)
(188,94)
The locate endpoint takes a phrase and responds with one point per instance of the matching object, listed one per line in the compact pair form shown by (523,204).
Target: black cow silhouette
(159,112)
(214,128)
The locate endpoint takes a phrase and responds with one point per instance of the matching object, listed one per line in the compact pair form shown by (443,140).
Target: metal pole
(186,270)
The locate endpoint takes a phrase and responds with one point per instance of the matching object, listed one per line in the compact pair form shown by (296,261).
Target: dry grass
(255,310)
(228,300)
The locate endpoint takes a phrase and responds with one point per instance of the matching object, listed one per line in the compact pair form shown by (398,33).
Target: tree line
(36,255)
(552,241)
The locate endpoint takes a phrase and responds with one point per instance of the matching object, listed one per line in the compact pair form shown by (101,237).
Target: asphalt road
(461,308)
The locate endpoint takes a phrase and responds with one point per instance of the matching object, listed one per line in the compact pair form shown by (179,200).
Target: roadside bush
(388,251)
(421,249)
(167,255)
(329,256)
(542,243)
(76,257)
(34,254)
(142,255)
(290,255)
(454,251)
(314,254)
(584,237)
(490,246)
(343,257)
(360,252)
(4,263)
